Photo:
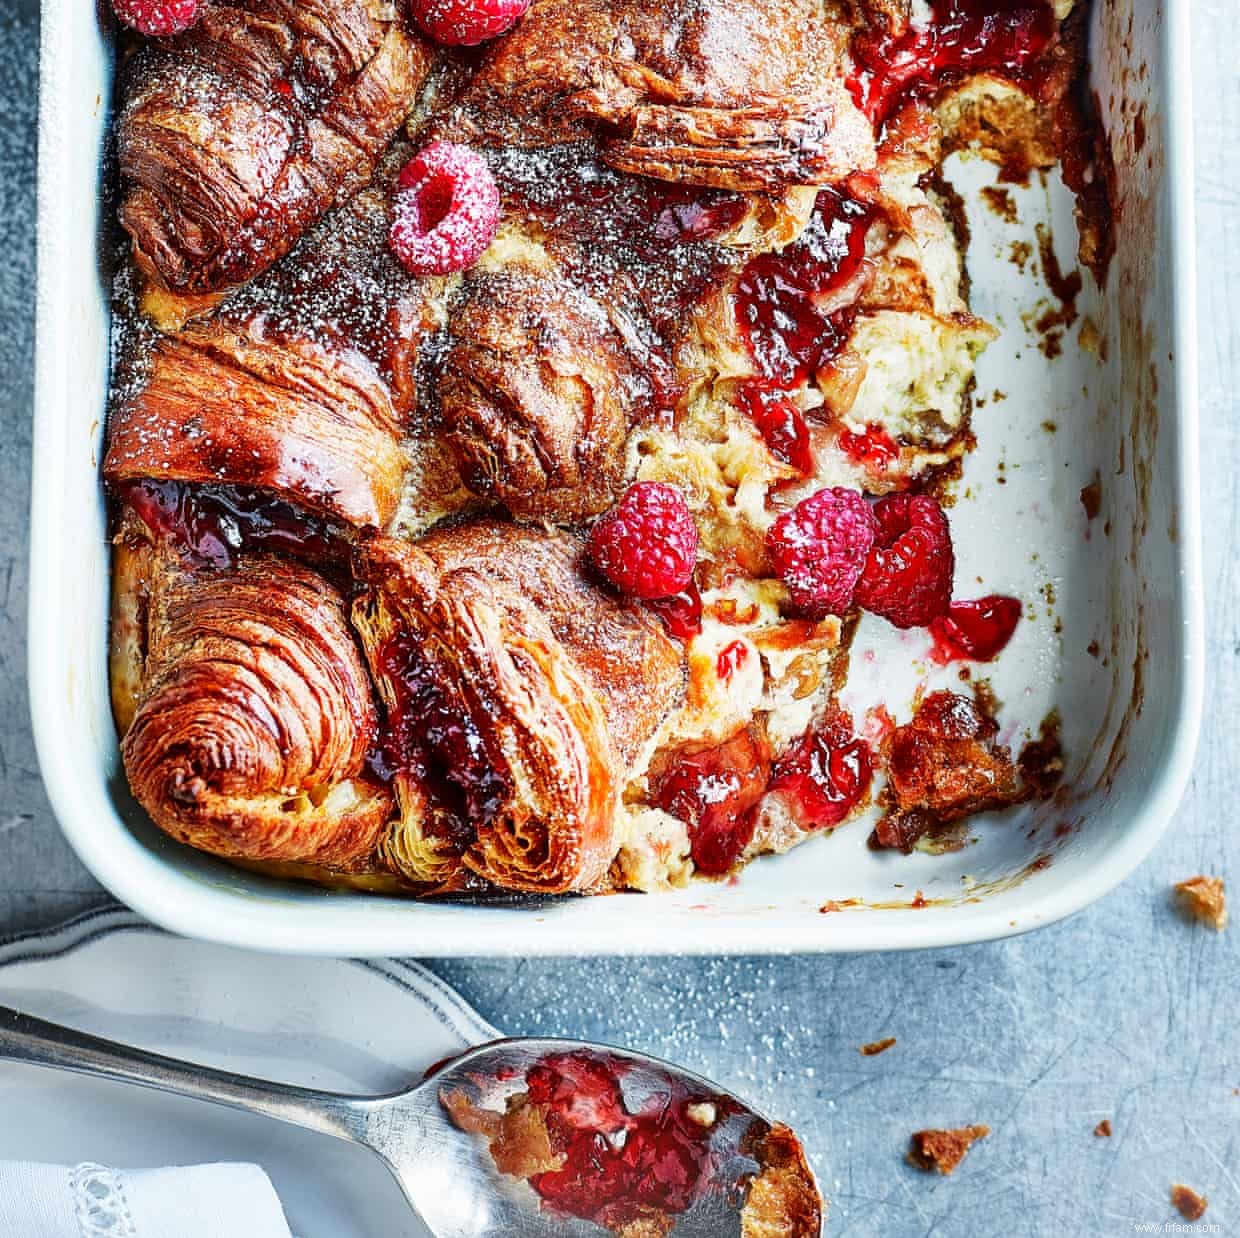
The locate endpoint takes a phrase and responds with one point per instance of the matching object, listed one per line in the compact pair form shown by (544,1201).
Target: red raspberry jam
(787,336)
(214,524)
(964,36)
(434,739)
(825,773)
(619,1162)
(681,613)
(975,631)
(715,793)
(874,448)
(780,422)
(731,658)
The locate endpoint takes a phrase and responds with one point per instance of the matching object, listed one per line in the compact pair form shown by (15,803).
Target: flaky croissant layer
(254,713)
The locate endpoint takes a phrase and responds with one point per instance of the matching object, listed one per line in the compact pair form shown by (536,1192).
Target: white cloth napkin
(92,1201)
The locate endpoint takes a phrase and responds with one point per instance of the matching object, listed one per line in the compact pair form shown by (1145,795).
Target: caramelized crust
(783,1200)
(942,766)
(230,401)
(254,712)
(238,134)
(736,94)
(537,395)
(490,647)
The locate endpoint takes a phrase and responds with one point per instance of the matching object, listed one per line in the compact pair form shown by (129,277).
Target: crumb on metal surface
(875,1047)
(1205,899)
(1190,1205)
(943,1150)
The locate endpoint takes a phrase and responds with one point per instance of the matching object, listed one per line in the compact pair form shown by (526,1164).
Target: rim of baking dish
(184,903)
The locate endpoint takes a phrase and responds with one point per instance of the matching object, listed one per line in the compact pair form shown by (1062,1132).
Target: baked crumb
(875,1047)
(1103,1129)
(943,1150)
(782,1201)
(1190,1205)
(1204,898)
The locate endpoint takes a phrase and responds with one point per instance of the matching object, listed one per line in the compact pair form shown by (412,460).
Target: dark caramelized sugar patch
(644,248)
(215,524)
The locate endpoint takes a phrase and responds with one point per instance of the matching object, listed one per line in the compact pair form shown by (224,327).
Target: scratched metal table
(1124,1012)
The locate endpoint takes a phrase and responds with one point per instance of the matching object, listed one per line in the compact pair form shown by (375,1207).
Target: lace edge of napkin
(99,1202)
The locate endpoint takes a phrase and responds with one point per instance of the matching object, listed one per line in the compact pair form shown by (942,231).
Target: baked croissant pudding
(518,403)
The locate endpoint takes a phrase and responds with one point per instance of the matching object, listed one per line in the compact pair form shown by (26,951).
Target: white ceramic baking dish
(1115,637)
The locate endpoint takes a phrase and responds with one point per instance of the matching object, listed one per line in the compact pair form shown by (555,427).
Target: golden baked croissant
(246,708)
(239,133)
(737,94)
(302,385)
(519,697)
(232,401)
(537,395)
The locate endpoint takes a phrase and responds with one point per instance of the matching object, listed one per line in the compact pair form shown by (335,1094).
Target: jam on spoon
(598,1137)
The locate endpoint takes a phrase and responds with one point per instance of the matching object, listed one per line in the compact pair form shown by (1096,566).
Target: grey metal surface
(1124,1012)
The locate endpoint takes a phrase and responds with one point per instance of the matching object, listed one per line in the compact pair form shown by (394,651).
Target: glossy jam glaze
(778,293)
(873,448)
(715,792)
(781,424)
(215,524)
(976,630)
(681,613)
(620,1161)
(825,774)
(433,738)
(962,37)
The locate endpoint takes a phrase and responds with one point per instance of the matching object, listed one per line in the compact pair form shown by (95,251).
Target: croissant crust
(232,402)
(254,713)
(536,394)
(736,94)
(242,131)
(523,654)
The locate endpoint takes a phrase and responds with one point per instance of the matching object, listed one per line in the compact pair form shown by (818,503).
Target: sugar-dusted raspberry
(908,575)
(462,23)
(647,544)
(447,210)
(158,17)
(819,548)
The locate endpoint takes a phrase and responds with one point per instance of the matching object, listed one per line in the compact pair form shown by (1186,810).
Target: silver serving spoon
(447,1175)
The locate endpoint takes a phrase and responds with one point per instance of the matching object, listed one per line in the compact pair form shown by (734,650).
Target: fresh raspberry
(447,210)
(647,544)
(462,23)
(908,575)
(818,549)
(158,17)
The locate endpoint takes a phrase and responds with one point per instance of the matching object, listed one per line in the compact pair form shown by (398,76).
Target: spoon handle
(25,1038)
